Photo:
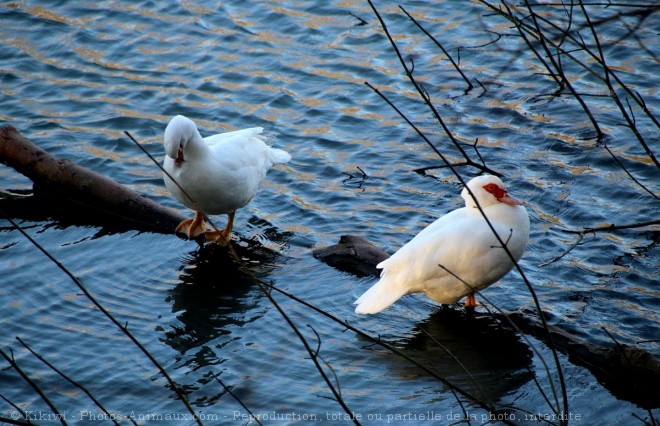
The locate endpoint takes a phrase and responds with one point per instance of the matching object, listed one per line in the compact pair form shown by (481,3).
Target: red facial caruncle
(501,194)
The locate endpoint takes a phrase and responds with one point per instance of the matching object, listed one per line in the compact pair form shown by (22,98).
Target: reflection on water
(214,298)
(217,288)
(213,293)
(472,352)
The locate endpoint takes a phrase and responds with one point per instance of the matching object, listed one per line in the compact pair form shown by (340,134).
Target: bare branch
(415,84)
(467,162)
(23,419)
(228,390)
(594,230)
(265,289)
(34,386)
(613,227)
(437,43)
(68,379)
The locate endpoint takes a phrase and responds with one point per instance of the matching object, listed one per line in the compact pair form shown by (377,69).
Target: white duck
(463,243)
(220,173)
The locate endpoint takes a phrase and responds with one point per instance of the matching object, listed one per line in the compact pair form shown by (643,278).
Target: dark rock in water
(353,254)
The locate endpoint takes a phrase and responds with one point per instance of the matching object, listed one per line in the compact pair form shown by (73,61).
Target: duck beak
(508,199)
(179,157)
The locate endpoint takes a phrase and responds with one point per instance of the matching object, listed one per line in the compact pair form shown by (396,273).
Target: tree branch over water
(582,233)
(422,93)
(606,73)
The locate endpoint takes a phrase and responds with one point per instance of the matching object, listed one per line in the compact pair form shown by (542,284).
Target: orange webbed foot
(192,228)
(471,302)
(221,237)
(218,237)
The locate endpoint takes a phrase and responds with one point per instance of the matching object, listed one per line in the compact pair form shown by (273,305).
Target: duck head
(488,190)
(178,134)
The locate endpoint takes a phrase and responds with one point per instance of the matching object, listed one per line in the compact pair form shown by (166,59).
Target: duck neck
(473,208)
(196,147)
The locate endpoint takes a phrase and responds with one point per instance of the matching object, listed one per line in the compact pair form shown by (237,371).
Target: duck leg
(192,228)
(471,302)
(221,237)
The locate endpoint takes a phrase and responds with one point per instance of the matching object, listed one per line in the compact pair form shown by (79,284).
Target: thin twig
(612,90)
(437,43)
(515,327)
(377,341)
(226,388)
(423,170)
(562,81)
(56,413)
(565,82)
(22,413)
(583,47)
(613,227)
(467,162)
(11,421)
(599,58)
(361,21)
(628,172)
(327,364)
(67,378)
(568,250)
(581,233)
(417,86)
(361,178)
(554,73)
(294,328)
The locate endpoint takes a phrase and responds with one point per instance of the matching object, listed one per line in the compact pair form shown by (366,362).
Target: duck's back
(244,148)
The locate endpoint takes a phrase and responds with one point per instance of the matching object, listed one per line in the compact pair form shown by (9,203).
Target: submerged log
(67,186)
(352,254)
(628,372)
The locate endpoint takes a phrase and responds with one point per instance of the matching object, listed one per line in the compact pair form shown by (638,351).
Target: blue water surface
(76,75)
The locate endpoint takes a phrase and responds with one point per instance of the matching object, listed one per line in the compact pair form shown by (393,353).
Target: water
(76,75)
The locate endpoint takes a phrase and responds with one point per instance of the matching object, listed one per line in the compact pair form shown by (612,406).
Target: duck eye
(495,190)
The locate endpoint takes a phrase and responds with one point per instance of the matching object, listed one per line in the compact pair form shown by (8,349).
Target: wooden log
(64,184)
(628,372)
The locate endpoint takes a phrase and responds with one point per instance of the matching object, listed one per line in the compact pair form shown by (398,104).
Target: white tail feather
(277,156)
(378,297)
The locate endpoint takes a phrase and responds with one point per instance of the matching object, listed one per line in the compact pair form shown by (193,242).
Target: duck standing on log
(219,174)
(457,254)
